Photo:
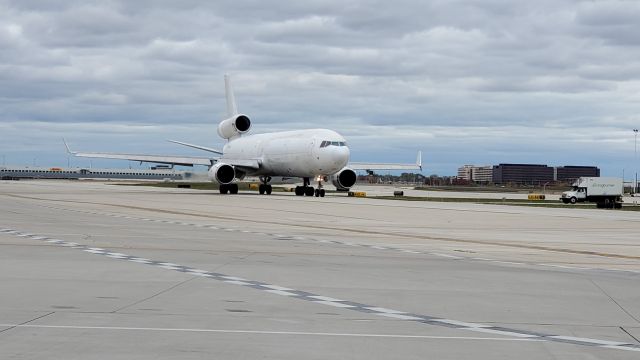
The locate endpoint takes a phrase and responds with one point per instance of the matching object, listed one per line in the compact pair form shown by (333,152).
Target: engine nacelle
(344,179)
(234,126)
(222,173)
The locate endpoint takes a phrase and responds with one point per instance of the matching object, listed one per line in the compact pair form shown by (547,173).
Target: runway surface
(94,271)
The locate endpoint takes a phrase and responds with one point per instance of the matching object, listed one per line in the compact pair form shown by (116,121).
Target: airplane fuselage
(299,153)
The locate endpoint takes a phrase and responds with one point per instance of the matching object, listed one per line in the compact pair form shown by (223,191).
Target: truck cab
(576,194)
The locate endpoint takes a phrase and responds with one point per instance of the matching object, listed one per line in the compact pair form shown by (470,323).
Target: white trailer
(606,192)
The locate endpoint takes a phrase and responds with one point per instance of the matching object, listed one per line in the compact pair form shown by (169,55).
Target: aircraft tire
(317,193)
(233,188)
(268,189)
(261,189)
(299,191)
(308,191)
(223,189)
(321,192)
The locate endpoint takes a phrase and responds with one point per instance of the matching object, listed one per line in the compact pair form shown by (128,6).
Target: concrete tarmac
(95,271)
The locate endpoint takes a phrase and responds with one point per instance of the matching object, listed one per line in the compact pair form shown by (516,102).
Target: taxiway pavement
(92,271)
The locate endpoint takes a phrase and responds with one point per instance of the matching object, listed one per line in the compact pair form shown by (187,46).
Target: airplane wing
(158,159)
(387,166)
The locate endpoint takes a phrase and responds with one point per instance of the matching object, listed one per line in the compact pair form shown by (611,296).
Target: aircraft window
(324,144)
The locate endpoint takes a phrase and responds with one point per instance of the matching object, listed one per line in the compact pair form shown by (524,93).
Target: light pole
(635,152)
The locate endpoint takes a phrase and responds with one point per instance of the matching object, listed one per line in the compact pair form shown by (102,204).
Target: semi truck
(606,192)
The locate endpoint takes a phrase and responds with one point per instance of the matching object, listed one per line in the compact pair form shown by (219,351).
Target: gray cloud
(466,81)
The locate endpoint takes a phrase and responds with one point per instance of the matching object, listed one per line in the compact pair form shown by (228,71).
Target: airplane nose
(340,155)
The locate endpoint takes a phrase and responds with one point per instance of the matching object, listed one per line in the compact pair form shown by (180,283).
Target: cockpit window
(326,143)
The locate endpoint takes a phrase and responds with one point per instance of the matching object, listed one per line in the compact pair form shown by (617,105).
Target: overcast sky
(467,82)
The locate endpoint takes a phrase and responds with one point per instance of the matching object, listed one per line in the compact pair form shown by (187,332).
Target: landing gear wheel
(321,192)
(224,189)
(299,190)
(265,188)
(233,188)
(317,193)
(308,191)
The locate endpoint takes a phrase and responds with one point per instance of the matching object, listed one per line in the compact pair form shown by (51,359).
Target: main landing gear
(307,190)
(228,188)
(265,188)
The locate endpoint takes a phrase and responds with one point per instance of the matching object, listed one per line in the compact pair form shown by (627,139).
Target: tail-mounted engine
(344,179)
(234,126)
(222,173)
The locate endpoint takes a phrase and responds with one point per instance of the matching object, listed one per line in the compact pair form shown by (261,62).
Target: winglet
(67,146)
(232,109)
(419,160)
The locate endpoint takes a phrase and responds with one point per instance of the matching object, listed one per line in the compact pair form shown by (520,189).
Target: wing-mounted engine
(234,126)
(222,173)
(344,179)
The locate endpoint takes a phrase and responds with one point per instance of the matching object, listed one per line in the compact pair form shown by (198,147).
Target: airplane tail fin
(419,159)
(232,109)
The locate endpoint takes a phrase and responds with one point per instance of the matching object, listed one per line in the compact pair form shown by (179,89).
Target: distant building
(522,174)
(464,172)
(482,174)
(479,174)
(571,173)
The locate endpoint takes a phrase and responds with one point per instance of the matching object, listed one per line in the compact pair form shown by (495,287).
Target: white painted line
(411,251)
(95,251)
(167,267)
(235,282)
(620,348)
(392,336)
(141,260)
(233,278)
(122,255)
(507,262)
(197,271)
(336,304)
(400,316)
(276,287)
(460,323)
(502,332)
(447,256)
(280,292)
(385,310)
(324,298)
(594,341)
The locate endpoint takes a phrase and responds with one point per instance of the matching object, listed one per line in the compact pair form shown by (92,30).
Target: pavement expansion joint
(338,303)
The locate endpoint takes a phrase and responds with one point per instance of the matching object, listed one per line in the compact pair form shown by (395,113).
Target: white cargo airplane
(318,154)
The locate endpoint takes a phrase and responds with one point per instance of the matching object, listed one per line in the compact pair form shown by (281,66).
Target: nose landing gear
(265,187)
